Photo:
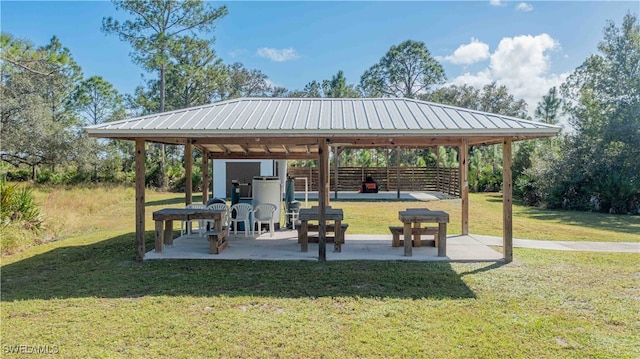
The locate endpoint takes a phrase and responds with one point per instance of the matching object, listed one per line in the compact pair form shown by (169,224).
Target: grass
(485,217)
(86,296)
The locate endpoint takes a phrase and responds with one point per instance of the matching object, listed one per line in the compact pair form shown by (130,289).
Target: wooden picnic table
(164,222)
(313,214)
(414,217)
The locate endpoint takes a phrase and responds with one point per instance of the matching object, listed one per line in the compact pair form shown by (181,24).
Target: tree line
(46,101)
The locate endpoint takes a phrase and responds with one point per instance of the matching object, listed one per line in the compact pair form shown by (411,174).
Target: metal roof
(363,122)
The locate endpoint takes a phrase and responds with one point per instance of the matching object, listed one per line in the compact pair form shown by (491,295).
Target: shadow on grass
(175,202)
(106,270)
(611,222)
(494,197)
(492,266)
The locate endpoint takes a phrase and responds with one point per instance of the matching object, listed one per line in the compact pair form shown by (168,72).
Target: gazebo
(305,128)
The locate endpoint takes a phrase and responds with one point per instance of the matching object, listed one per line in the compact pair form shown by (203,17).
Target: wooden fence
(445,180)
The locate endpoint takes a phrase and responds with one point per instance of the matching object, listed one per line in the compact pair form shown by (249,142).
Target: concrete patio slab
(393,195)
(284,246)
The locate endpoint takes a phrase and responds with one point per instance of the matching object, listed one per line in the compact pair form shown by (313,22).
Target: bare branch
(16,63)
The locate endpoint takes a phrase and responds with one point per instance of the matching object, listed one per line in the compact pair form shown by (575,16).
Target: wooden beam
(323,175)
(464,185)
(262,156)
(389,140)
(292,140)
(402,140)
(188,173)
(205,176)
(140,219)
(507,209)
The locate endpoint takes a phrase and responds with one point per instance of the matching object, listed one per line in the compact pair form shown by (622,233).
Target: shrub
(526,189)
(617,192)
(20,218)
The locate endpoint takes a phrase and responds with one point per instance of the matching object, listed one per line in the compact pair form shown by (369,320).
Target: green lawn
(84,295)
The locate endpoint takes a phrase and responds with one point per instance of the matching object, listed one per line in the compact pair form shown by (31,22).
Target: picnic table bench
(334,215)
(337,239)
(397,231)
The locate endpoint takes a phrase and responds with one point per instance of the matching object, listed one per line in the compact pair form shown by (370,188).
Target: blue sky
(526,46)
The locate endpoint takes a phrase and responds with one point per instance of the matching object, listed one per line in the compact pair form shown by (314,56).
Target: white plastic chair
(225,216)
(264,213)
(242,214)
(187,226)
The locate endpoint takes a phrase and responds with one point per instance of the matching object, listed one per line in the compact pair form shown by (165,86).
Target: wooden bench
(337,239)
(217,240)
(398,231)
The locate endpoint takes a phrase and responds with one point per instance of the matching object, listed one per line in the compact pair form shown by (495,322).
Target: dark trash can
(293,207)
(215,200)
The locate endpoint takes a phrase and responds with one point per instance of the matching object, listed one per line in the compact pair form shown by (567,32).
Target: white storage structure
(268,190)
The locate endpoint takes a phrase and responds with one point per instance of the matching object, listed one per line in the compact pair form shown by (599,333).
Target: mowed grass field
(84,296)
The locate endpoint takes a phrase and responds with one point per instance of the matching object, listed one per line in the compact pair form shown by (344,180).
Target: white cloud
(524,7)
(237,53)
(496,3)
(521,64)
(277,55)
(469,53)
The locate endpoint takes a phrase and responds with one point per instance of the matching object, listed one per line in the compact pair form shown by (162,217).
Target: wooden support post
(327,182)
(438,168)
(205,176)
(507,209)
(464,185)
(387,155)
(398,171)
(323,161)
(140,225)
(188,172)
(335,172)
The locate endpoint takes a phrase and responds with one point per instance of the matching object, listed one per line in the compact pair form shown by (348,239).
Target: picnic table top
(167,214)
(313,213)
(415,215)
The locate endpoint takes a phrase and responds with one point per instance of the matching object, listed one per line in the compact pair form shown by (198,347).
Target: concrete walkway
(629,247)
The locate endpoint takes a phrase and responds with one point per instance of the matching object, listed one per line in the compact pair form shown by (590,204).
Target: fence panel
(444,180)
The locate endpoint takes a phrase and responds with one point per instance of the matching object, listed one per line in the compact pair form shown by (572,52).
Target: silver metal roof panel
(310,116)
